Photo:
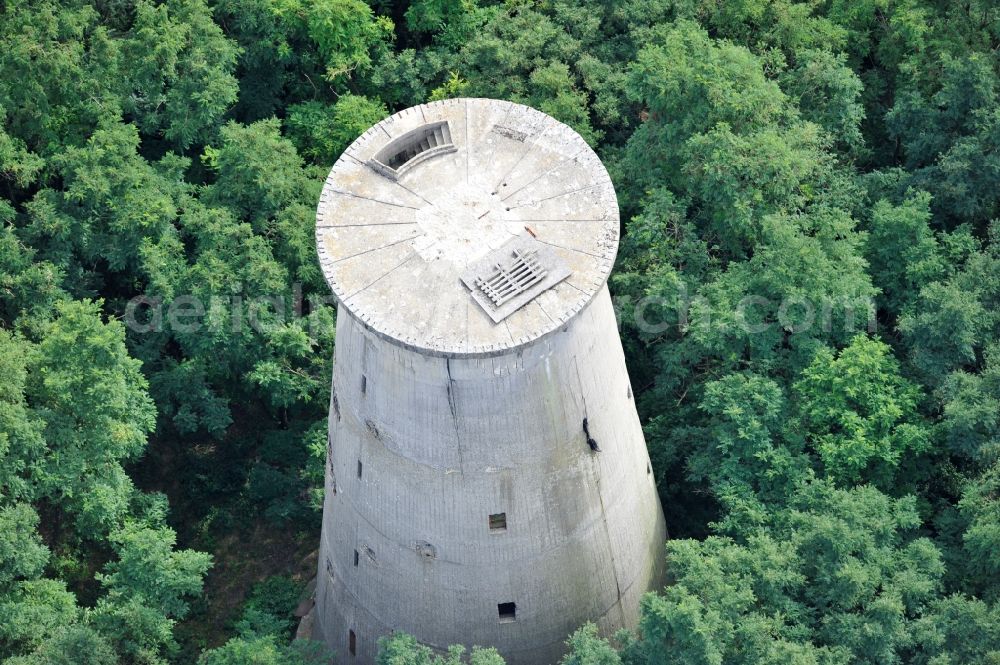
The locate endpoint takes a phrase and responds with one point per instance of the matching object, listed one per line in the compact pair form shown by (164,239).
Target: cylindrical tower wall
(459,486)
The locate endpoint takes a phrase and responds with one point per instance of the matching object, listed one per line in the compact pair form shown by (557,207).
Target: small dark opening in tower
(498,522)
(357,558)
(590,440)
(352,643)
(361,468)
(507,611)
(364,384)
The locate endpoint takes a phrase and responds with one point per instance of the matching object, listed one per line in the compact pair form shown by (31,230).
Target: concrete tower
(488,482)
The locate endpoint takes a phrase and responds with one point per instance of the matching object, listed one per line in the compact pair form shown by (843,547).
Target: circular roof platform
(467,227)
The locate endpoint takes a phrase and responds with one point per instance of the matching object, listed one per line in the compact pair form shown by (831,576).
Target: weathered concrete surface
(392,250)
(435,430)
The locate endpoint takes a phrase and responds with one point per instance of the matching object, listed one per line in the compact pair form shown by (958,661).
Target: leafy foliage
(859,411)
(403,649)
(808,286)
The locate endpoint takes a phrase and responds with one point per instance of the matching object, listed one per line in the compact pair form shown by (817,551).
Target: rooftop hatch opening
(402,153)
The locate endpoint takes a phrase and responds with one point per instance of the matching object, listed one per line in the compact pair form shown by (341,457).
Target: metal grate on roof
(510,277)
(521,273)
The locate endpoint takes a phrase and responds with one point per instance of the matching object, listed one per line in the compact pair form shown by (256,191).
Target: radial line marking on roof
(569,249)
(388,272)
(468,144)
(368,198)
(486,134)
(524,154)
(413,192)
(540,175)
(565,220)
(536,301)
(351,226)
(382,127)
(432,314)
(422,114)
(395,182)
(509,334)
(512,233)
(507,112)
(465,338)
(369,168)
(375,249)
(556,196)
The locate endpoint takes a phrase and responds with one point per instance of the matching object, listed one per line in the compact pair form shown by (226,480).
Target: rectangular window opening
(361,468)
(364,384)
(507,612)
(498,522)
(357,558)
(352,643)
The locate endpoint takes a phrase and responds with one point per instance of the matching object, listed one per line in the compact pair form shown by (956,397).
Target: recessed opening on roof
(508,612)
(352,643)
(520,273)
(498,522)
(413,147)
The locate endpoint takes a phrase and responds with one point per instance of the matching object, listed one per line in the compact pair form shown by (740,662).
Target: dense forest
(808,288)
